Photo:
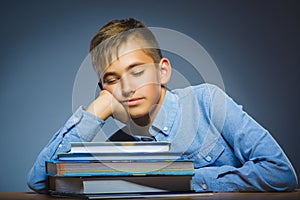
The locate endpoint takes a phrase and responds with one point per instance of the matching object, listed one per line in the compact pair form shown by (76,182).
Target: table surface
(211,196)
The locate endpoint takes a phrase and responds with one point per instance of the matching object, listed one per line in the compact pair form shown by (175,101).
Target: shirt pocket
(207,156)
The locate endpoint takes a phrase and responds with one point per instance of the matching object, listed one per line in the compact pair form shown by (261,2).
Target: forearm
(82,126)
(252,176)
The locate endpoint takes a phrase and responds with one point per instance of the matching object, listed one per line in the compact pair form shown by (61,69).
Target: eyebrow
(135,64)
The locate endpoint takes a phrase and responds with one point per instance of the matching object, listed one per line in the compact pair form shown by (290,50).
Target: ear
(165,70)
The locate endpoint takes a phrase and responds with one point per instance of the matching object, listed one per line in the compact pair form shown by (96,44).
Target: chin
(136,115)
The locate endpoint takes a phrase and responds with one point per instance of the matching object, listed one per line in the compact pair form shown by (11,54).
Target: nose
(126,87)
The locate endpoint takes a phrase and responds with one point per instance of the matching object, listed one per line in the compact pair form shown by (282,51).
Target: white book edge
(103,147)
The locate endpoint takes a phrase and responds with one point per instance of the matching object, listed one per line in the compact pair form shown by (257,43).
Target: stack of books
(118,168)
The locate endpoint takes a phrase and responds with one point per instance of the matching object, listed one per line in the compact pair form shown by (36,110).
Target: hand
(106,105)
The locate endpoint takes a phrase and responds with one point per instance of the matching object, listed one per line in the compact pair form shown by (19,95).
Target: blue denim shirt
(231,151)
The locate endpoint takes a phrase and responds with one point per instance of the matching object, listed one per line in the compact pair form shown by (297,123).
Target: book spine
(61,168)
(54,168)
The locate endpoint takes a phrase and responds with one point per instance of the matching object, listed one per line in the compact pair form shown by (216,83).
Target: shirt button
(76,120)
(204,186)
(208,158)
(60,146)
(165,128)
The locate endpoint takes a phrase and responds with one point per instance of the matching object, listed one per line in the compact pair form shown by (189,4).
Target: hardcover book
(108,156)
(119,168)
(103,147)
(117,185)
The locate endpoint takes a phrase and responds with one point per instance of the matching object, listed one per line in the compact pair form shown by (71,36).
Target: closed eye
(111,80)
(137,72)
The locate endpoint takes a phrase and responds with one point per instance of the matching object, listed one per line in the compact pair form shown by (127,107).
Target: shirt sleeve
(82,126)
(264,166)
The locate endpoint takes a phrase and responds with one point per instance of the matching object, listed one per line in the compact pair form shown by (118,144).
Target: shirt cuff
(207,179)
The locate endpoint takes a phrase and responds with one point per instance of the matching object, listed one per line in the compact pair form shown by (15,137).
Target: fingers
(106,105)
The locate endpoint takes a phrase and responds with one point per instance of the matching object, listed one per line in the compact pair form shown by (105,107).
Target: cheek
(150,80)
(151,91)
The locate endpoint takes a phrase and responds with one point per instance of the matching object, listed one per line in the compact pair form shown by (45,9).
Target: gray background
(255,45)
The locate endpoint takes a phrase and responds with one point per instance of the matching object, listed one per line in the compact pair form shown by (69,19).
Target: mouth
(132,102)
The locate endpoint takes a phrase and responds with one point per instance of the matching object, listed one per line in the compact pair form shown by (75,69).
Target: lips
(133,102)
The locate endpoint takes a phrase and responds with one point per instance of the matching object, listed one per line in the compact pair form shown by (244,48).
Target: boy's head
(129,64)
(105,45)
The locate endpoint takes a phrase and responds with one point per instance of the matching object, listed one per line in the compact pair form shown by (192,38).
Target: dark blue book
(119,156)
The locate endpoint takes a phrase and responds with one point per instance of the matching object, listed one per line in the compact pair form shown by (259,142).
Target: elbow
(283,181)
(288,185)
(291,181)
(37,187)
(34,188)
(35,184)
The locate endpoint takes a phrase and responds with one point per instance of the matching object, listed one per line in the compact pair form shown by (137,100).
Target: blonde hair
(107,41)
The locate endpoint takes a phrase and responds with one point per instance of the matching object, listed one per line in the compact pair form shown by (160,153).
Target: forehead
(129,60)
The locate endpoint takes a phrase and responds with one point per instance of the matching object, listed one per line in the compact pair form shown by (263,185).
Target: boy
(231,151)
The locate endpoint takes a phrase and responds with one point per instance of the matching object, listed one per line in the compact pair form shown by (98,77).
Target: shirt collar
(166,115)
